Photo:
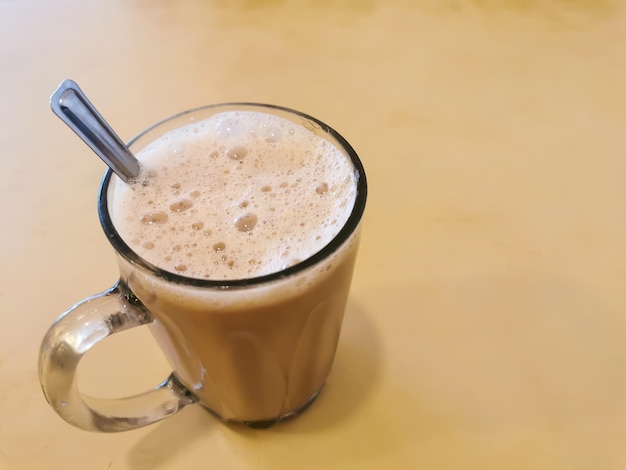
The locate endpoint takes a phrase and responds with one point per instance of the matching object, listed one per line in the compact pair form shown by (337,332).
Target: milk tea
(237,196)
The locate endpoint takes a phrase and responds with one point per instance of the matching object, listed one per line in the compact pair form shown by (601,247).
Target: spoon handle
(72,106)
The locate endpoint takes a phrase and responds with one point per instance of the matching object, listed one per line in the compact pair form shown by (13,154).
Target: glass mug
(253,351)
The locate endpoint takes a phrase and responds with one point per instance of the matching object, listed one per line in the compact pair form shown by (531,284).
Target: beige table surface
(487,323)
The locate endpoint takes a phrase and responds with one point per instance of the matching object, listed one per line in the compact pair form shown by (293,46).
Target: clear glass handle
(71,336)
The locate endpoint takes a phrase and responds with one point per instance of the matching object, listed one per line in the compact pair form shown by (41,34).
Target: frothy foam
(238,195)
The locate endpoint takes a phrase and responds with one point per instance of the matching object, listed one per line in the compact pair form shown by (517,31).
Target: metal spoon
(72,106)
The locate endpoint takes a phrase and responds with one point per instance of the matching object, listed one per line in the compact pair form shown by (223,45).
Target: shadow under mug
(253,351)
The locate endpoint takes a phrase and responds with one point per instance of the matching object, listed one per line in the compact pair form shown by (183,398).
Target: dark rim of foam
(204,112)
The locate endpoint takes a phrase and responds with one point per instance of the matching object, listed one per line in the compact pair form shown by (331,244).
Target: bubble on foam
(156,217)
(237,152)
(178,148)
(197,225)
(219,246)
(229,128)
(246,222)
(273,135)
(147,177)
(291,262)
(180,268)
(181,205)
(322,188)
